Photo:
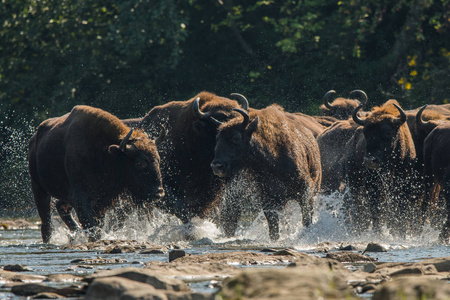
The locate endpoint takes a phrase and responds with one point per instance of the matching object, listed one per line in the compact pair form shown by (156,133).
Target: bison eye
(140,164)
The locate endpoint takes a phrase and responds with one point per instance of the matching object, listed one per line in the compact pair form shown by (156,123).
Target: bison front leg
(273,222)
(43,205)
(83,208)
(65,212)
(230,212)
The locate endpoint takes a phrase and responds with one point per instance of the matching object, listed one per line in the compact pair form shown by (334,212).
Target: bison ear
(114,150)
(253,125)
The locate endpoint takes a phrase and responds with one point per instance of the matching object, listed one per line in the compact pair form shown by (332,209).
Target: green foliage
(127,56)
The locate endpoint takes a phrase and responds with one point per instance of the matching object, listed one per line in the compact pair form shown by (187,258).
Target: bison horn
(326,97)
(242,100)
(419,121)
(197,111)
(215,121)
(402,118)
(245,115)
(355,117)
(360,93)
(161,137)
(123,143)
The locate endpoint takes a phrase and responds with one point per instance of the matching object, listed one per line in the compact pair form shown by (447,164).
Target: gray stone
(17,268)
(374,247)
(174,254)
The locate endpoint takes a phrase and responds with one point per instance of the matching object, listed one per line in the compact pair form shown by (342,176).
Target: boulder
(290,283)
(374,247)
(412,288)
(350,257)
(18,277)
(31,289)
(112,288)
(144,276)
(17,268)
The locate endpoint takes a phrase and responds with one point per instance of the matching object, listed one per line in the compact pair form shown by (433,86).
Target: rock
(17,224)
(17,268)
(369,268)
(174,254)
(63,278)
(374,247)
(18,277)
(348,248)
(152,251)
(98,261)
(144,276)
(115,246)
(115,288)
(212,270)
(349,257)
(442,264)
(47,295)
(30,289)
(285,252)
(412,288)
(122,288)
(291,283)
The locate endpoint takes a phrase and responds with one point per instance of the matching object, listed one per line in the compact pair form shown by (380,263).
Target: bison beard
(85,159)
(282,156)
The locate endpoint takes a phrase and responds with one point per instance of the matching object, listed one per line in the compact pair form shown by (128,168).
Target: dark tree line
(127,56)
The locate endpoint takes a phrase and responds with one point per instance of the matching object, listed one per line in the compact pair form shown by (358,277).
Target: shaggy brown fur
(187,152)
(77,159)
(282,155)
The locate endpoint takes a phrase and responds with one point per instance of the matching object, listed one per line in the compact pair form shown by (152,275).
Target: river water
(25,246)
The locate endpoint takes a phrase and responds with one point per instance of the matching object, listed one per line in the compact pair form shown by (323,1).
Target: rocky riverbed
(325,272)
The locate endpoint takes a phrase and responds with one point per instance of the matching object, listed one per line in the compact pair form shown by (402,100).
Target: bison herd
(391,165)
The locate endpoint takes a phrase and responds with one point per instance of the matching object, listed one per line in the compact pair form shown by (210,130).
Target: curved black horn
(402,118)
(355,116)
(360,93)
(241,99)
(419,121)
(161,137)
(215,121)
(123,143)
(244,114)
(326,97)
(198,113)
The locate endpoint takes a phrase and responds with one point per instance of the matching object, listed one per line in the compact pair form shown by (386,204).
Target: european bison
(341,108)
(85,159)
(380,162)
(332,141)
(437,171)
(188,150)
(282,156)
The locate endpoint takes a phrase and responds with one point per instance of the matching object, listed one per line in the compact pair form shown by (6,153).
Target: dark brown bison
(332,142)
(341,108)
(380,160)
(314,124)
(421,121)
(188,150)
(282,156)
(85,159)
(437,172)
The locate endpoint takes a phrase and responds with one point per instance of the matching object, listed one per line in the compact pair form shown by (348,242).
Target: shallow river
(25,246)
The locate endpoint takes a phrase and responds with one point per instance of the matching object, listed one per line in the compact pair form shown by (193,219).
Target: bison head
(232,144)
(381,132)
(341,108)
(138,162)
(214,112)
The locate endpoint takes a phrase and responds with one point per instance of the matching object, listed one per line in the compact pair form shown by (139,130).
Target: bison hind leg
(43,205)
